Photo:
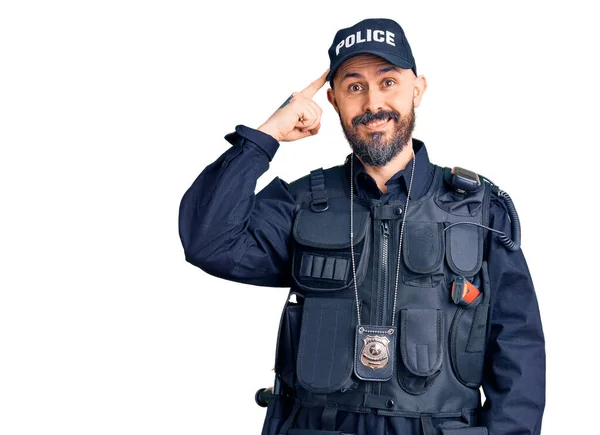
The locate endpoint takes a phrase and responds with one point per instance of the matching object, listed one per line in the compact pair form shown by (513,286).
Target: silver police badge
(375,352)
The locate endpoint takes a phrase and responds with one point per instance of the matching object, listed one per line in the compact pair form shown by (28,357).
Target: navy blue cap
(379,36)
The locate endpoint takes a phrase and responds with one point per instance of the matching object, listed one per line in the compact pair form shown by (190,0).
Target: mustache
(379,116)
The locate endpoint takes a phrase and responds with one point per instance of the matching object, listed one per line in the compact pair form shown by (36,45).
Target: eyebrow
(388,69)
(379,72)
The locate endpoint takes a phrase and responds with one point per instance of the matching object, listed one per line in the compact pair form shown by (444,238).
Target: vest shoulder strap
(318,192)
(316,188)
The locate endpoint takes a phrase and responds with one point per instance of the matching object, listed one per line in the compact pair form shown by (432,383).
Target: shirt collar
(366,186)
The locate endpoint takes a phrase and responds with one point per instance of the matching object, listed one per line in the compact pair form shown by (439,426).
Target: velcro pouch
(468,336)
(287,339)
(464,249)
(421,347)
(322,257)
(326,348)
(423,253)
(421,340)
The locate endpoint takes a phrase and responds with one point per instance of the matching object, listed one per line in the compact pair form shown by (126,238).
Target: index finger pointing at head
(312,89)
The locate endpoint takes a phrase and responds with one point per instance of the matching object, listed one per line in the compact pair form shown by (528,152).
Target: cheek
(401,102)
(347,118)
(348,112)
(402,107)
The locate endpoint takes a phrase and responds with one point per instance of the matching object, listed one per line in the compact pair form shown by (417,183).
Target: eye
(388,83)
(355,87)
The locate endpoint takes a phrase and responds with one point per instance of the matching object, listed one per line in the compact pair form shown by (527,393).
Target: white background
(110,109)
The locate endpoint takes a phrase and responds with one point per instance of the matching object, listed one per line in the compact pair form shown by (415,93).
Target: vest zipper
(384,269)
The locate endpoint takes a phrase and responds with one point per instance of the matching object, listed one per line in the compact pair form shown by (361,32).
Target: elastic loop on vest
(328,417)
(427,424)
(317,191)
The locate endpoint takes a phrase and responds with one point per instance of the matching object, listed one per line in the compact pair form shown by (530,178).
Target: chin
(377,137)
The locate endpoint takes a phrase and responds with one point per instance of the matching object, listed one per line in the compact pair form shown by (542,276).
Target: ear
(419,89)
(331,98)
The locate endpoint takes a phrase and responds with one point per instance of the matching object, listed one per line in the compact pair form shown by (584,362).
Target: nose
(374,102)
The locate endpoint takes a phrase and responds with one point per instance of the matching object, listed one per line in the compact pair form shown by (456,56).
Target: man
(409,292)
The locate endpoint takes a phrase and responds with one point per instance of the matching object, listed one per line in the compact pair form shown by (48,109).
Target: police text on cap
(375,35)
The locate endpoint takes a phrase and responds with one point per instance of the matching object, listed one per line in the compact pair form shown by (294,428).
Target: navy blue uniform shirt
(230,232)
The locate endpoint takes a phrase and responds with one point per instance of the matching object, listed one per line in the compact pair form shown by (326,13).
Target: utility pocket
(287,342)
(322,258)
(468,336)
(423,254)
(464,249)
(421,347)
(326,344)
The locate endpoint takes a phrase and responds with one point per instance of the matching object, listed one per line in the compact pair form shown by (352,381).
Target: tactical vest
(440,344)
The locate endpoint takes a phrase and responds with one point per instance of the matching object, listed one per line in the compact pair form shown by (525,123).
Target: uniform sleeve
(515,362)
(228,231)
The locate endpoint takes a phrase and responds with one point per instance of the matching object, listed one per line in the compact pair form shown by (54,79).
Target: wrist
(257,139)
(273,132)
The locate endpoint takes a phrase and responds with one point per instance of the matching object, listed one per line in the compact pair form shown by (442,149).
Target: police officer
(411,290)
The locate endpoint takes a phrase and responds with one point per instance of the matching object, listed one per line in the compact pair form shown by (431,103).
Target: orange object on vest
(463,292)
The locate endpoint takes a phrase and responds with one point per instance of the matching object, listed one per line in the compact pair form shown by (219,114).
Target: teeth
(376,123)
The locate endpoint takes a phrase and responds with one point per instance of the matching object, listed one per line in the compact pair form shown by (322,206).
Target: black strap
(328,417)
(292,417)
(317,191)
(427,424)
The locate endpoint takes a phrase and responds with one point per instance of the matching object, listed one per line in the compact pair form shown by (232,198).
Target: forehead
(362,63)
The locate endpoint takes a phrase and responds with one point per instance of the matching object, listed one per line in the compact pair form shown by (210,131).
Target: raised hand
(298,117)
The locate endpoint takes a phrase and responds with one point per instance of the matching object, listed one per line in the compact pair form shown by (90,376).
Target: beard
(375,151)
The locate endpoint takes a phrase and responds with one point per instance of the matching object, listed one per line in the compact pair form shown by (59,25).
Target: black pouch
(468,336)
(326,344)
(287,341)
(322,256)
(421,347)
(423,254)
(464,249)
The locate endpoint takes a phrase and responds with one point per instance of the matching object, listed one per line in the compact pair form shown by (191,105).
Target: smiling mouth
(377,124)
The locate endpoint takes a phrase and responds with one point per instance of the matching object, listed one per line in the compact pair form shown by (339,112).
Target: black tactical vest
(440,344)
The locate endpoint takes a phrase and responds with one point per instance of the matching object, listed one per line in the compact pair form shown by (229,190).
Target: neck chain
(412,173)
